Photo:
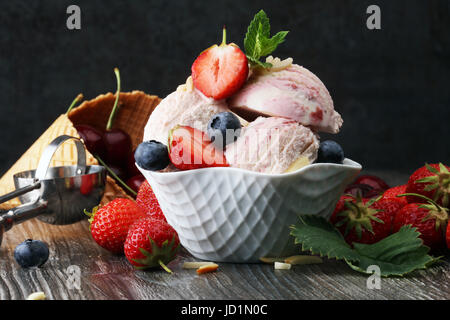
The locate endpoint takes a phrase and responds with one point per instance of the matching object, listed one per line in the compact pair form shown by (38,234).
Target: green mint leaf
(396,255)
(269,45)
(259,27)
(256,62)
(257,41)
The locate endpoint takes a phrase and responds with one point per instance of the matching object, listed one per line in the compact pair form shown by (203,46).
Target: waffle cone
(132,117)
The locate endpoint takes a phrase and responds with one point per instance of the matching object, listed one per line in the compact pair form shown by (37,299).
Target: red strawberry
(375,182)
(110,224)
(392,193)
(364,220)
(447,235)
(150,243)
(432,181)
(190,148)
(429,219)
(146,199)
(220,71)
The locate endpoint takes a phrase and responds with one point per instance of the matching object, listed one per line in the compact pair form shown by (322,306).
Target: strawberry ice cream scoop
(292,92)
(272,145)
(186,106)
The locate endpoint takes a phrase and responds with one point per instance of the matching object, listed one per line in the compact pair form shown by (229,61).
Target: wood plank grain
(108,276)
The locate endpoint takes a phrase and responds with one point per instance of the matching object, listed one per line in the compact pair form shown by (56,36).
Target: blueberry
(224,128)
(31,253)
(152,155)
(330,151)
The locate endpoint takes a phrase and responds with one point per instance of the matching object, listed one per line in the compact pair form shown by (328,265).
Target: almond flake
(37,296)
(282,266)
(303,260)
(207,268)
(196,264)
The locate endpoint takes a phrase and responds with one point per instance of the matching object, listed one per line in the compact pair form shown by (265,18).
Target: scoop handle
(19,192)
(20,214)
(49,151)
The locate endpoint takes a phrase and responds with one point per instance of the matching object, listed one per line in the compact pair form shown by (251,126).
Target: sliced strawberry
(190,148)
(220,71)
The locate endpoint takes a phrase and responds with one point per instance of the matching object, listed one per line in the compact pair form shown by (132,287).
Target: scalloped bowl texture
(239,216)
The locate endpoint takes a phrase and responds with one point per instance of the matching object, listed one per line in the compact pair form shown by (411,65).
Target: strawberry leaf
(320,237)
(396,255)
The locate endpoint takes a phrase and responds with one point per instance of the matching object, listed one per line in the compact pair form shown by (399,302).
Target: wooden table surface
(107,276)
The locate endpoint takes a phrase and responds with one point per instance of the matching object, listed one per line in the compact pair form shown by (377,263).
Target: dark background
(391,85)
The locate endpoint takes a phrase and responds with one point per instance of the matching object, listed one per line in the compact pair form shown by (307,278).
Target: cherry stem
(115,176)
(79,98)
(164,266)
(116,102)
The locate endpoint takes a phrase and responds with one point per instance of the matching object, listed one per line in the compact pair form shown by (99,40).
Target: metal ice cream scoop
(55,195)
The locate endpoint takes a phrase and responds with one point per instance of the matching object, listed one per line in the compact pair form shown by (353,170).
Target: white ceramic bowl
(236,215)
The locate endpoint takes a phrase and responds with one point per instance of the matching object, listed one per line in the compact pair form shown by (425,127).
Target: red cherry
(373,181)
(118,146)
(93,139)
(365,190)
(118,171)
(135,182)
(131,166)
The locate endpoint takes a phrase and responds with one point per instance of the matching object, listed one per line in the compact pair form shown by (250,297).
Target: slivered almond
(37,296)
(282,266)
(303,260)
(271,260)
(196,264)
(207,268)
(297,164)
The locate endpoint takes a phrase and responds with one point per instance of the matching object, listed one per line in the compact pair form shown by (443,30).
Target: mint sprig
(396,255)
(258,43)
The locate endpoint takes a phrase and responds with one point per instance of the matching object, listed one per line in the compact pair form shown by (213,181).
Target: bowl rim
(347,164)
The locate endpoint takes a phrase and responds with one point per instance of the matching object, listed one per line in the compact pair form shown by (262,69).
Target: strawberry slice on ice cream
(221,70)
(190,148)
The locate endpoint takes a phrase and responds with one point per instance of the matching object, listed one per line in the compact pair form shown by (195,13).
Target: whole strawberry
(430,220)
(394,192)
(431,181)
(364,220)
(447,235)
(150,243)
(146,199)
(109,225)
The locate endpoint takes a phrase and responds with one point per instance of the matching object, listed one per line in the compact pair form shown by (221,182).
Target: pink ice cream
(271,145)
(293,92)
(182,107)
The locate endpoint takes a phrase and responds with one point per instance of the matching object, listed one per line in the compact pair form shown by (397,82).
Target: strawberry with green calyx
(447,236)
(429,218)
(394,192)
(151,243)
(221,70)
(146,199)
(431,181)
(109,224)
(364,220)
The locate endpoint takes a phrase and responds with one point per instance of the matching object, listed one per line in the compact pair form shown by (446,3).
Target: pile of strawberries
(136,228)
(370,211)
